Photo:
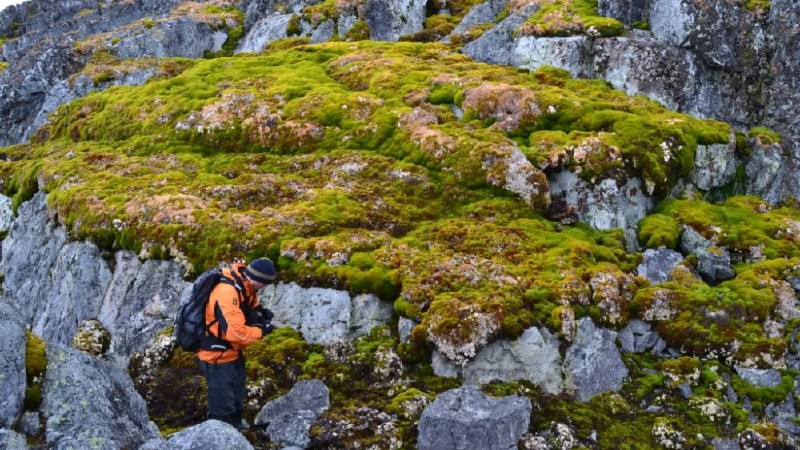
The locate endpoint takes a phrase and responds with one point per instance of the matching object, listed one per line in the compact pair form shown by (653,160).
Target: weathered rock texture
(289,418)
(12,365)
(325,315)
(467,418)
(89,403)
(209,434)
(593,364)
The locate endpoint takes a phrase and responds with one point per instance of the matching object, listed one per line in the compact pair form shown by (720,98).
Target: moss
(758,6)
(765,135)
(3,65)
(568,17)
(35,366)
(639,25)
(293,27)
(659,230)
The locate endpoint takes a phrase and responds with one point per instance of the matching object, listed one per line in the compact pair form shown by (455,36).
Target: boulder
(603,205)
(759,377)
(289,418)
(388,20)
(467,418)
(533,356)
(784,415)
(495,46)
(404,328)
(763,170)
(570,53)
(671,21)
(593,363)
(143,299)
(324,315)
(627,11)
(714,165)
(266,30)
(89,403)
(713,263)
(6,213)
(13,380)
(11,440)
(209,434)
(657,264)
(485,12)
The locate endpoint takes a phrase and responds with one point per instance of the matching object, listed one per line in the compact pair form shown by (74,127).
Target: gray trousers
(226,386)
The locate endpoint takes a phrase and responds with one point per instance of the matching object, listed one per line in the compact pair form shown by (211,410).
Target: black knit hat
(261,270)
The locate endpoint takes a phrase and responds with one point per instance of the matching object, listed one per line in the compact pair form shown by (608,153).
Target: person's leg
(239,390)
(220,379)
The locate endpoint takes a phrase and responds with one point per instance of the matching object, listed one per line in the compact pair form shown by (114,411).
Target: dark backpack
(191,331)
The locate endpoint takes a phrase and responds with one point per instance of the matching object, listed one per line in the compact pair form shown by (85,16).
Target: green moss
(659,230)
(293,27)
(35,366)
(758,6)
(639,25)
(765,136)
(568,17)
(3,65)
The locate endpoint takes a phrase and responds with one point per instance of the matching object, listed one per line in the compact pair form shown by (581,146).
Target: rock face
(467,418)
(289,418)
(10,440)
(534,357)
(89,403)
(142,299)
(658,263)
(325,315)
(389,19)
(593,364)
(604,205)
(12,365)
(266,30)
(56,284)
(209,434)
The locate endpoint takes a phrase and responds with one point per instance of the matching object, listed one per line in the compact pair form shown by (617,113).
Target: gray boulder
(671,21)
(784,415)
(325,315)
(763,170)
(713,263)
(466,418)
(627,11)
(571,54)
(266,30)
(6,213)
(638,337)
(55,284)
(13,381)
(209,434)
(181,37)
(759,377)
(323,32)
(289,418)
(486,12)
(89,403)
(593,363)
(404,328)
(11,440)
(143,299)
(714,165)
(495,46)
(657,264)
(533,356)
(603,205)
(389,19)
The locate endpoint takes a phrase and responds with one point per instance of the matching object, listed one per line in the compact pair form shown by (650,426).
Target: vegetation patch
(566,18)
(35,366)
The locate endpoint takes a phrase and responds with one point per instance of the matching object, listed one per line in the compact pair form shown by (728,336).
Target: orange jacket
(223,305)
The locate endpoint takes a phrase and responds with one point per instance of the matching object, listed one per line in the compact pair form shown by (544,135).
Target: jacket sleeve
(231,318)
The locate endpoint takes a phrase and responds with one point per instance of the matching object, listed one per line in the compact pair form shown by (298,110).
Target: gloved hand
(266,327)
(252,318)
(265,313)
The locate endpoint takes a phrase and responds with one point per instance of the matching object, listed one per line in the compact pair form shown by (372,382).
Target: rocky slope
(589,258)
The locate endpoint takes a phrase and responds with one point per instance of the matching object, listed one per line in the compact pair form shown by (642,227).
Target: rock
(182,37)
(442,367)
(55,284)
(784,415)
(486,12)
(11,440)
(666,436)
(638,336)
(671,21)
(787,307)
(31,424)
(624,11)
(763,170)
(289,418)
(570,54)
(657,264)
(356,427)
(6,213)
(13,381)
(92,338)
(404,328)
(143,299)
(593,364)
(389,19)
(209,434)
(89,403)
(759,377)
(533,356)
(323,33)
(266,30)
(714,165)
(794,282)
(466,418)
(725,444)
(714,264)
(604,205)
(495,46)
(324,315)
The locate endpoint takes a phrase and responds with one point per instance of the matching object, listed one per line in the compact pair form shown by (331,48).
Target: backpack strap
(210,341)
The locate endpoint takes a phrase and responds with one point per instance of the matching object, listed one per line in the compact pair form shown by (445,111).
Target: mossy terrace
(346,163)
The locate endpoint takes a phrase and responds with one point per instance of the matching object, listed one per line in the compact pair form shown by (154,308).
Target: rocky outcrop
(603,205)
(89,403)
(209,434)
(12,365)
(325,315)
(713,263)
(593,363)
(266,30)
(56,284)
(142,299)
(467,418)
(289,418)
(389,19)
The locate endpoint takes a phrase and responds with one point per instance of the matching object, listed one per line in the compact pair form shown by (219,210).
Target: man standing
(232,302)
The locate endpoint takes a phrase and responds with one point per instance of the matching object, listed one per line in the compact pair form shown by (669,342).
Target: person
(234,316)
